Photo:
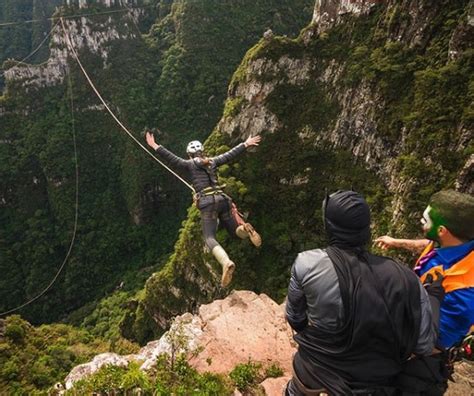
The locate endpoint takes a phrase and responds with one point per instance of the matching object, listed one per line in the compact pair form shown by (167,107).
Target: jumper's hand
(150,139)
(253,141)
(385,242)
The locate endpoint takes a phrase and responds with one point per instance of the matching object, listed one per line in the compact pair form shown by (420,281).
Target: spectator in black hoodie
(358,317)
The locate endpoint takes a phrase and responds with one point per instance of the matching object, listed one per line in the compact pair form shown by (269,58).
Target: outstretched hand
(150,139)
(253,141)
(385,242)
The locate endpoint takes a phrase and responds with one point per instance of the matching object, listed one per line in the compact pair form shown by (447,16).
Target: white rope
(76,214)
(69,43)
(37,48)
(6,24)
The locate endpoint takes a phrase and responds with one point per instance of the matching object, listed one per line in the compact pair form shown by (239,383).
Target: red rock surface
(274,386)
(243,326)
(227,332)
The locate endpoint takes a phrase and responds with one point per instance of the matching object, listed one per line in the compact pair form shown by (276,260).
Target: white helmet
(194,147)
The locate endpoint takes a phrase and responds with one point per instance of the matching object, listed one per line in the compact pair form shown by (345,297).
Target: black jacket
(200,175)
(358,318)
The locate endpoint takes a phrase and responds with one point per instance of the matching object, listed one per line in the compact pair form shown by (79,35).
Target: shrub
(246,375)
(273,371)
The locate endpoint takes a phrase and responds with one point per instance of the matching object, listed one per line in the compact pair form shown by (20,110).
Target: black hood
(347,219)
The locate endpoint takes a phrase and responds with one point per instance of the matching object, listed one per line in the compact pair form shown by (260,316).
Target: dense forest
(376,105)
(174,77)
(380,102)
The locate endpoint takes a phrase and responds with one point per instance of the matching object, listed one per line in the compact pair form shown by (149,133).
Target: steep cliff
(244,336)
(38,170)
(377,96)
(130,209)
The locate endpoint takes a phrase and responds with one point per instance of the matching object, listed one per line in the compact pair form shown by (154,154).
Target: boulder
(242,327)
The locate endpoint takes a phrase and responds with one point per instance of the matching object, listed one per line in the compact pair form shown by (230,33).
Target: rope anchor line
(76,57)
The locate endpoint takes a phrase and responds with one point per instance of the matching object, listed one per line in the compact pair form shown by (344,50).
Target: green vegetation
(115,379)
(33,359)
(421,114)
(175,376)
(130,209)
(274,371)
(245,375)
(233,107)
(199,54)
(182,379)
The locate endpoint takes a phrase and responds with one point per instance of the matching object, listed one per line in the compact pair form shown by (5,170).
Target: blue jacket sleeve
(229,155)
(172,159)
(456,316)
(296,304)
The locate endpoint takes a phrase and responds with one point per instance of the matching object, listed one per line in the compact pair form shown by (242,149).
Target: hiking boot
(254,236)
(241,232)
(228,266)
(227,272)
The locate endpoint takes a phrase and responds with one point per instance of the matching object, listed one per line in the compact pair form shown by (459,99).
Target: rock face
(86,369)
(357,124)
(464,380)
(107,3)
(96,38)
(327,13)
(241,327)
(231,331)
(223,334)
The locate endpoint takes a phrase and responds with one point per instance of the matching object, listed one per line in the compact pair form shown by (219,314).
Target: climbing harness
(208,191)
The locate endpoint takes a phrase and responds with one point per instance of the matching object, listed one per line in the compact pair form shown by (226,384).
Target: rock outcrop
(84,34)
(375,86)
(362,106)
(242,327)
(464,380)
(107,3)
(223,334)
(328,13)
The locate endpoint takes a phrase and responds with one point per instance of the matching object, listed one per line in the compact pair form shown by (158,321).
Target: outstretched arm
(237,150)
(414,245)
(165,154)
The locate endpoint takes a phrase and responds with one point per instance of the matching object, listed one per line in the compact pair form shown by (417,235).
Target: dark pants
(218,208)
(305,378)
(422,376)
(425,375)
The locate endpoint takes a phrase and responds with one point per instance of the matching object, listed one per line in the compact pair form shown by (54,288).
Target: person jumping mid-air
(210,199)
